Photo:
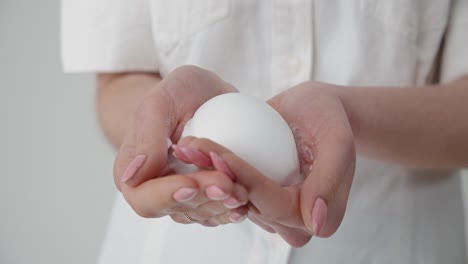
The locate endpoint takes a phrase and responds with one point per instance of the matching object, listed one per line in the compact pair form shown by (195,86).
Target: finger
(325,191)
(239,197)
(296,237)
(273,200)
(212,208)
(157,197)
(143,154)
(261,224)
(183,219)
(232,216)
(293,236)
(213,185)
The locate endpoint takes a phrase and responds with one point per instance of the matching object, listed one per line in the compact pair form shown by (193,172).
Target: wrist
(345,95)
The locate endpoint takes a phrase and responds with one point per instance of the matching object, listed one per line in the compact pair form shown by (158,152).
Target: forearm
(420,127)
(118,96)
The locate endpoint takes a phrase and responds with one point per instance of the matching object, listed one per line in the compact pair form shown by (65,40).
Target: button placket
(291,43)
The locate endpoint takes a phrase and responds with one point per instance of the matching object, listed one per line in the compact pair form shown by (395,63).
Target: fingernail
(195,156)
(231,203)
(133,167)
(180,155)
(236,217)
(184,194)
(319,216)
(215,193)
(221,165)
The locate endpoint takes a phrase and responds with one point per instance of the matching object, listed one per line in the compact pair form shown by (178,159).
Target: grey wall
(55,166)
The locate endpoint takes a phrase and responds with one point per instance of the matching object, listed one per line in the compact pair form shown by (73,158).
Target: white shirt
(395,215)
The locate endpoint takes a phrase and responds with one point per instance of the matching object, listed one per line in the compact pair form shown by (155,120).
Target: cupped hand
(142,168)
(327,156)
(326,151)
(273,207)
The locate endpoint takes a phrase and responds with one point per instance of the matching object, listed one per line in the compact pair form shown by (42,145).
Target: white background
(56,184)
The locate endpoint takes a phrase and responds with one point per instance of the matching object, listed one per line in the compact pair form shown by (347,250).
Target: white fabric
(395,215)
(107,36)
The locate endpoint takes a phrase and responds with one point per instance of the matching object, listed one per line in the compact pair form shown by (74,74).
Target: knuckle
(144,212)
(186,70)
(201,143)
(218,179)
(186,140)
(240,192)
(181,78)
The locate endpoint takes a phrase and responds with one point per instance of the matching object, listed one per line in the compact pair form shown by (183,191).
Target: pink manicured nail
(237,218)
(319,216)
(184,194)
(133,167)
(195,156)
(215,193)
(221,165)
(231,203)
(180,155)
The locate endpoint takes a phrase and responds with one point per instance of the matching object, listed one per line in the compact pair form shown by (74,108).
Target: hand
(142,159)
(327,154)
(268,200)
(326,151)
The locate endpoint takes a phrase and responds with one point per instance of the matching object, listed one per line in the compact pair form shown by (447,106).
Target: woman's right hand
(142,169)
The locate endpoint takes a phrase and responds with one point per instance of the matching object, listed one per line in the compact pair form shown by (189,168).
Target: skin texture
(421,127)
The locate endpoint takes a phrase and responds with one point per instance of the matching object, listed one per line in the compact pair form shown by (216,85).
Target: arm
(418,127)
(118,96)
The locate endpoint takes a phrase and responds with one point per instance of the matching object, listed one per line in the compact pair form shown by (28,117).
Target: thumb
(143,154)
(325,191)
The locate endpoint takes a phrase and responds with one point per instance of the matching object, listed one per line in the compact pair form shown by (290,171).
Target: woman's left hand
(327,155)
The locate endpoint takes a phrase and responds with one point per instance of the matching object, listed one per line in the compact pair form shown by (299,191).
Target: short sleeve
(107,36)
(455,53)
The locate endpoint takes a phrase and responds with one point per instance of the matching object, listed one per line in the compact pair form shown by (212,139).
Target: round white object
(251,129)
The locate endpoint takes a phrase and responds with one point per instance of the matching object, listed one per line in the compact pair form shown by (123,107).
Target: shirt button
(292,65)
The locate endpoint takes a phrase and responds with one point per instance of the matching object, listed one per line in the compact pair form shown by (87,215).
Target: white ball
(251,129)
